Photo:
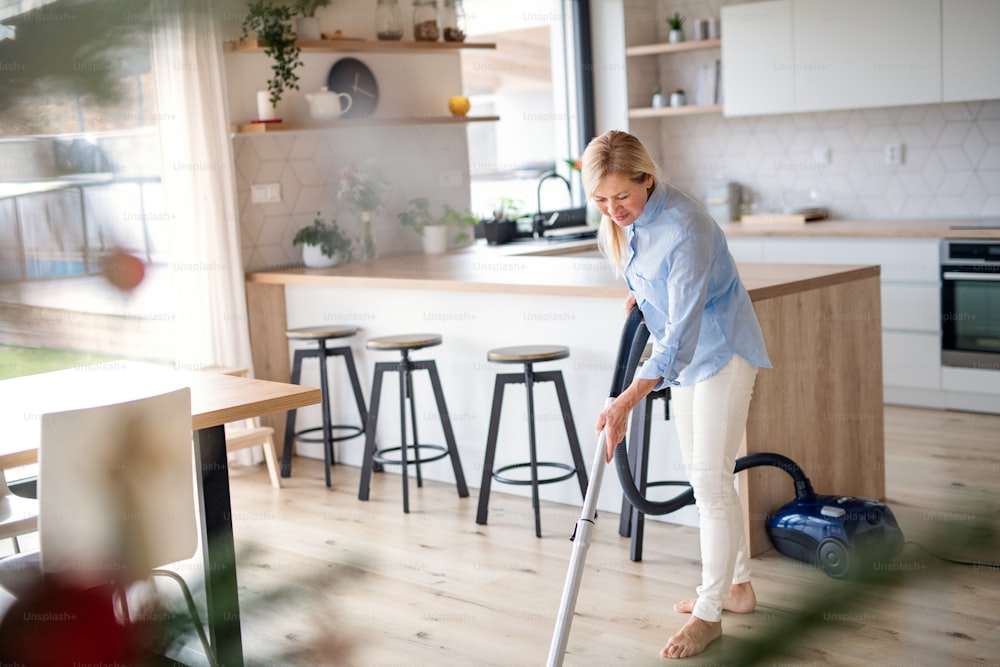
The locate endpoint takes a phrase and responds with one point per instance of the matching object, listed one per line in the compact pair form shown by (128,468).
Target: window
(78,174)
(538,80)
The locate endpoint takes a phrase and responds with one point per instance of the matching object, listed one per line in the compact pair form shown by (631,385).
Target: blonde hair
(614,152)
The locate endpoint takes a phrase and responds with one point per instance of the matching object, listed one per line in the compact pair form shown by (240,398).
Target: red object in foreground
(123,270)
(58,625)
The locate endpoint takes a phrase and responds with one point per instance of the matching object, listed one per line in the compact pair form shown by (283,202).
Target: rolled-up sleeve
(674,306)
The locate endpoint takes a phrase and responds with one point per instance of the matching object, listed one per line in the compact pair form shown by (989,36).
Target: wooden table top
(216,398)
(558,275)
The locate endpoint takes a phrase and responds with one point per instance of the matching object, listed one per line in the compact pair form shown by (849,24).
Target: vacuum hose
(630,347)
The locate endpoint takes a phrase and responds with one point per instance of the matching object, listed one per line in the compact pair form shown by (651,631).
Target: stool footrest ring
(541,464)
(380,455)
(352,432)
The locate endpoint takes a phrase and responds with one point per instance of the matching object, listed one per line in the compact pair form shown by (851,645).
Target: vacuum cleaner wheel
(833,556)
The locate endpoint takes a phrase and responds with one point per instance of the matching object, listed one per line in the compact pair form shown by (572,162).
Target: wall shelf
(686,110)
(272,128)
(363,46)
(660,49)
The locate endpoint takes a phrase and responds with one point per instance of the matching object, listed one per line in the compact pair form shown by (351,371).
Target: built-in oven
(970,303)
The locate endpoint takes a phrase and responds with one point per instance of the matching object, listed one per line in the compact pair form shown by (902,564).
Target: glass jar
(388,20)
(453,21)
(425,20)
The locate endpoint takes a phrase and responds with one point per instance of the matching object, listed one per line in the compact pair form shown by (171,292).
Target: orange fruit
(459,106)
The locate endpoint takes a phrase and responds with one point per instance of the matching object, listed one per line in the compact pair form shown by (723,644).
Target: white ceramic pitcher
(328,104)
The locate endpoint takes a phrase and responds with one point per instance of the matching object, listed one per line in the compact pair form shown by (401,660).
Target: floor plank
(433,588)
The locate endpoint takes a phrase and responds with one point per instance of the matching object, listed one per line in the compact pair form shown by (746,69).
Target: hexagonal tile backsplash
(951,166)
(307,166)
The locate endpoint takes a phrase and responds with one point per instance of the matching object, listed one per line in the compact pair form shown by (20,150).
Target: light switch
(265,193)
(894,154)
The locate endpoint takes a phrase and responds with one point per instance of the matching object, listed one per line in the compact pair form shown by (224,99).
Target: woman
(707,346)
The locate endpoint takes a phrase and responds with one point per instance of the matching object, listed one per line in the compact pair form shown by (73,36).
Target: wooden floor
(434,588)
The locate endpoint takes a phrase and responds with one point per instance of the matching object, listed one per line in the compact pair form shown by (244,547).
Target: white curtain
(206,267)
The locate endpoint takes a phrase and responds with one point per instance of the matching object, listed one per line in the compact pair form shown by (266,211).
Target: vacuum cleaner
(838,534)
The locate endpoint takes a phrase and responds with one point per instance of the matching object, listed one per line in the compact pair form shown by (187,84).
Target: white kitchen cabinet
(746,250)
(970,50)
(785,56)
(758,69)
(911,360)
(911,301)
(911,307)
(857,53)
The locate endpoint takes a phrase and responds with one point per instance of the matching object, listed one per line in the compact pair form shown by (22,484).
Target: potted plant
(363,185)
(271,22)
(502,228)
(676,23)
(324,245)
(434,228)
(307,25)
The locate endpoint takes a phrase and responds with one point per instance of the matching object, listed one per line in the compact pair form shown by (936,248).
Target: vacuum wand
(581,542)
(633,337)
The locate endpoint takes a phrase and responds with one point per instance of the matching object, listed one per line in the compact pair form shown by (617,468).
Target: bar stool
(528,355)
(321,335)
(399,455)
(632,521)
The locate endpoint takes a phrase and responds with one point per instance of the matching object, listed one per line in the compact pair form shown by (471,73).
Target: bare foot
(692,639)
(741,600)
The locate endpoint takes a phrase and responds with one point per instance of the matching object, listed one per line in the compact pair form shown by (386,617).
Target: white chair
(18,516)
(116,491)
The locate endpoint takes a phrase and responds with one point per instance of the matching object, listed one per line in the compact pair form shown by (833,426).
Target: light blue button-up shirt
(685,281)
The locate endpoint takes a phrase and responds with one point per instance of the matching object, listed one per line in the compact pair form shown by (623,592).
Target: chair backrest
(116,487)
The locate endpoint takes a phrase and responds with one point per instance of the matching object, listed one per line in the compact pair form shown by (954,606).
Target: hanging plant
(271,22)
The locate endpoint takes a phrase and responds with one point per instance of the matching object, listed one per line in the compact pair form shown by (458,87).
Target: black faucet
(539,222)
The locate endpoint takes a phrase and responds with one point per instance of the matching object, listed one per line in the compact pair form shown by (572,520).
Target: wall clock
(351,76)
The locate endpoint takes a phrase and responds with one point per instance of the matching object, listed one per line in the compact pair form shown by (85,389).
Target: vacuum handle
(630,347)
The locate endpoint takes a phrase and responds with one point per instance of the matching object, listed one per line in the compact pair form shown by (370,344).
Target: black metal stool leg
(286,452)
(370,426)
(535,504)
(404,376)
(352,373)
(491,450)
(449,434)
(574,442)
(640,416)
(324,385)
(413,425)
(641,476)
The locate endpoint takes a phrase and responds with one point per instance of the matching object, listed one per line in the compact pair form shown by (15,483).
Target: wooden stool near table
(528,355)
(400,455)
(321,336)
(249,433)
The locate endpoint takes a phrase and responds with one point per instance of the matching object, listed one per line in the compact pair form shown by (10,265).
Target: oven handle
(961,275)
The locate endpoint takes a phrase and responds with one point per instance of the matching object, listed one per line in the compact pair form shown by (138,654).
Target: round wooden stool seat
(403,341)
(522,354)
(315,333)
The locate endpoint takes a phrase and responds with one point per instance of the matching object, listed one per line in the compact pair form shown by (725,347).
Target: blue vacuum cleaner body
(838,534)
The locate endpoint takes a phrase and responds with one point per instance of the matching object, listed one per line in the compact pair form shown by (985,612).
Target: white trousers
(711,417)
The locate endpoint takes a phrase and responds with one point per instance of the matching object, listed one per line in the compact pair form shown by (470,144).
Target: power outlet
(894,154)
(265,193)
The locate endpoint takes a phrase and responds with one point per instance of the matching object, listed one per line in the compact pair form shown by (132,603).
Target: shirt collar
(654,205)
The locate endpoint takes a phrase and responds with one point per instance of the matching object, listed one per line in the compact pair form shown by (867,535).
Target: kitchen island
(820,405)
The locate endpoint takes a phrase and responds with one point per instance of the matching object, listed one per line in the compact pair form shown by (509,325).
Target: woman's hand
(613,420)
(629,303)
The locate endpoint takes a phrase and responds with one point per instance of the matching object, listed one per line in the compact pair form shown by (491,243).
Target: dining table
(216,399)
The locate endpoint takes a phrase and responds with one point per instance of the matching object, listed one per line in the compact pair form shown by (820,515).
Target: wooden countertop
(871,228)
(556,275)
